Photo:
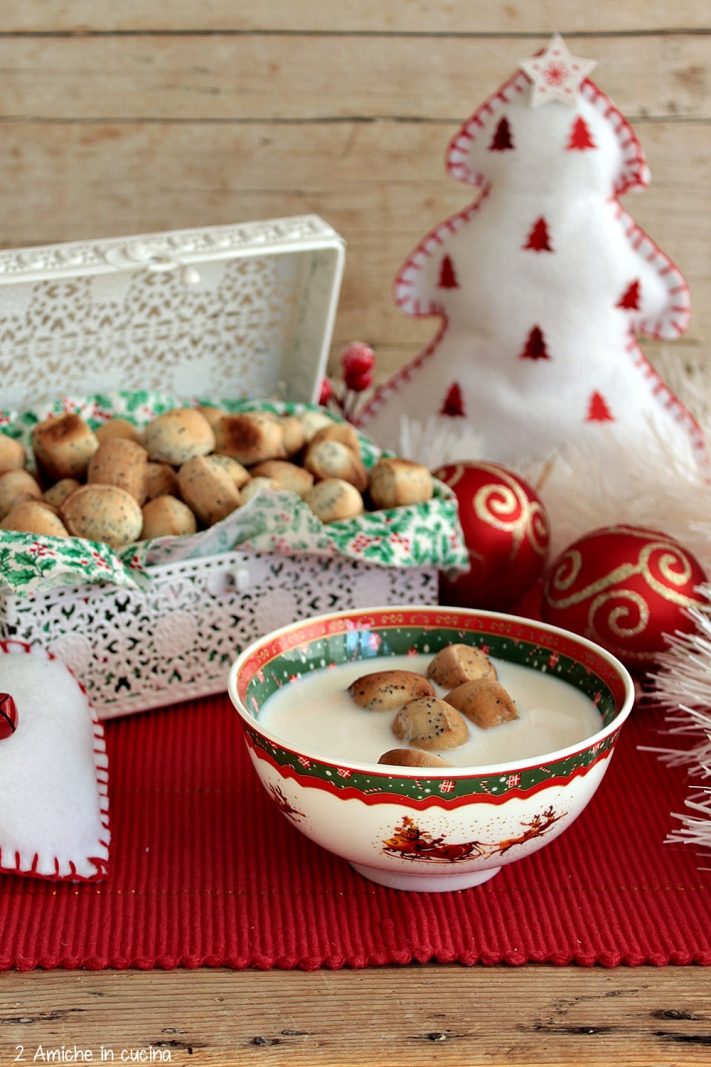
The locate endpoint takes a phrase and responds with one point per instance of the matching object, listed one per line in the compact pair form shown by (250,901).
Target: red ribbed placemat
(206,872)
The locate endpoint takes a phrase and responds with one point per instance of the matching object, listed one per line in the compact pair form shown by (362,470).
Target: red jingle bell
(8,716)
(506,531)
(624,587)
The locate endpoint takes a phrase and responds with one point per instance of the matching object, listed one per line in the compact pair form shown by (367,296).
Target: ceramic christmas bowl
(427,828)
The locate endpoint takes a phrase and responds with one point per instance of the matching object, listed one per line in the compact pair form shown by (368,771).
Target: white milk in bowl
(316,714)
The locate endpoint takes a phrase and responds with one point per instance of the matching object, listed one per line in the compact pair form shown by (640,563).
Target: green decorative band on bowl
(457,787)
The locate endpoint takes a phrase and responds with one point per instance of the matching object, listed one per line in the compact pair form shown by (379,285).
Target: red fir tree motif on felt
(580,136)
(598,411)
(538,238)
(561,204)
(535,347)
(453,404)
(501,141)
(630,298)
(447,277)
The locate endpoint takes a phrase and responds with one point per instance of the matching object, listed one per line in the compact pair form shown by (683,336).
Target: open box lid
(223,311)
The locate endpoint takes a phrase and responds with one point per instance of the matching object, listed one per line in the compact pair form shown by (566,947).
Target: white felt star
(556,74)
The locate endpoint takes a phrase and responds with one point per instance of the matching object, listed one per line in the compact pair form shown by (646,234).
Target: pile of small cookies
(188,469)
(424,721)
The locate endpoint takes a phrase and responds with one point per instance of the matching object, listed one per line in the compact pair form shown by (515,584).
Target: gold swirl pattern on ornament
(505,507)
(538,527)
(562,580)
(454,478)
(566,572)
(619,614)
(669,563)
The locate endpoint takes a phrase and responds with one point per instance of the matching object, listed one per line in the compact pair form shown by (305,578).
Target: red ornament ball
(506,530)
(8,716)
(624,587)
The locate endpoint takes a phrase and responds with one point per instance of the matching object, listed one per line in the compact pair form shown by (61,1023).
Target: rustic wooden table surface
(129,117)
(407,1017)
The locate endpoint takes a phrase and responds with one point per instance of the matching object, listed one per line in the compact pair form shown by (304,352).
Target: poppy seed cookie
(102,513)
(234,470)
(313,421)
(118,428)
(395,483)
(431,724)
(177,436)
(333,459)
(12,454)
(389,690)
(34,516)
(333,500)
(293,434)
(63,446)
(208,488)
(167,516)
(256,485)
(412,757)
(456,664)
(287,475)
(161,480)
(213,415)
(250,437)
(15,486)
(58,493)
(122,462)
(484,701)
(339,431)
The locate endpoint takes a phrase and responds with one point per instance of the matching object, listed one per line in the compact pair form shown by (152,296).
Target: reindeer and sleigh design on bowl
(429,828)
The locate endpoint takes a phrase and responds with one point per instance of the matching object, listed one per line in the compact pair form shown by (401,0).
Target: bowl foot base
(425,883)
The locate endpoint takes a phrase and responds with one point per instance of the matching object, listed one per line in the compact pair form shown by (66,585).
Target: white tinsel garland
(585,487)
(438,440)
(682,684)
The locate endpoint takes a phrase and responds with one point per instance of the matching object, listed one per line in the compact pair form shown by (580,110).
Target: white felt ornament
(542,283)
(54,772)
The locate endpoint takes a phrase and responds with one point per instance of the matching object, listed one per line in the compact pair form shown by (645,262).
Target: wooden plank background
(118,117)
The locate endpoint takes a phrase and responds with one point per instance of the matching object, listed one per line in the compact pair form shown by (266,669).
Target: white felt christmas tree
(544,282)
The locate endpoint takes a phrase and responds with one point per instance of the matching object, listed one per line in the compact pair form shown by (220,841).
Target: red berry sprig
(358,366)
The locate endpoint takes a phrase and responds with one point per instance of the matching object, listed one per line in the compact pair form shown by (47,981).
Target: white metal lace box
(244,310)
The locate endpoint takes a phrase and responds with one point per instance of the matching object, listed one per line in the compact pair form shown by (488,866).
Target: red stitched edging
(101,767)
(676,284)
(668,399)
(634,172)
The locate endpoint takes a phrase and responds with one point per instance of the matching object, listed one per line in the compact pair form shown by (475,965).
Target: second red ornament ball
(506,530)
(624,587)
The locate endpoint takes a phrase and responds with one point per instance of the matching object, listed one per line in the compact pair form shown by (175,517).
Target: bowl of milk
(503,793)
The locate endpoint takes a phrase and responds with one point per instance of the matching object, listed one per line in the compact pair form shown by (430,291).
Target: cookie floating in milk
(430,724)
(484,701)
(341,713)
(389,690)
(458,663)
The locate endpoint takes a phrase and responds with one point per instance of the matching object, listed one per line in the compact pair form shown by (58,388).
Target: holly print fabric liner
(420,535)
